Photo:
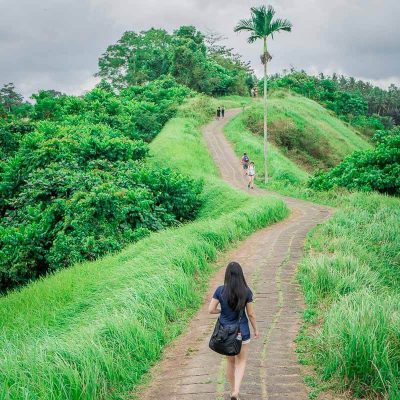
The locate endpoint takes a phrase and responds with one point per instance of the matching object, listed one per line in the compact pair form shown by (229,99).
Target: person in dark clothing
(245,163)
(218,112)
(222,111)
(232,297)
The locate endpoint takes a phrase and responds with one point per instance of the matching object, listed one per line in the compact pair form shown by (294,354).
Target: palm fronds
(244,25)
(261,24)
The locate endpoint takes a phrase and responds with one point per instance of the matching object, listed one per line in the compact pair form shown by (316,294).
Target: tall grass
(351,280)
(92,331)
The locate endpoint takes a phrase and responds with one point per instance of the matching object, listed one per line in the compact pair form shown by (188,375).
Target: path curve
(189,370)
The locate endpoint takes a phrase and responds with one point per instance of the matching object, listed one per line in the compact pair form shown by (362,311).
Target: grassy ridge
(93,330)
(303,132)
(350,278)
(312,116)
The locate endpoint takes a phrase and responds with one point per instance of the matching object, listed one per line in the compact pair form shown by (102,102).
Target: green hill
(304,136)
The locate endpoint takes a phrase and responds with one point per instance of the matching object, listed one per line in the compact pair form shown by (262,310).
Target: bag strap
(241,313)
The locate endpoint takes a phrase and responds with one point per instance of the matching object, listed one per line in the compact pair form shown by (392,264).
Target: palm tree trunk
(265,114)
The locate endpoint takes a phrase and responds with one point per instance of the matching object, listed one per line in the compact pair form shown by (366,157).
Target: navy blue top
(231,317)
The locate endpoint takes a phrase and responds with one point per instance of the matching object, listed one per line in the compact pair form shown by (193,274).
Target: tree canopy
(138,58)
(75,182)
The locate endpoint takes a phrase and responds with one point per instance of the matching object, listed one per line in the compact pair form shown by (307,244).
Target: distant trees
(136,58)
(142,57)
(12,103)
(9,98)
(348,97)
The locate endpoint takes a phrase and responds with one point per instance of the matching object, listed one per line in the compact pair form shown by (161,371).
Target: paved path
(189,370)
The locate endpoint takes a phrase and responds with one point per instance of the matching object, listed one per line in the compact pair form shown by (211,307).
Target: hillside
(304,136)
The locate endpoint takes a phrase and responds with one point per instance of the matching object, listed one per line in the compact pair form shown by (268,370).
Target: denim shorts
(245,331)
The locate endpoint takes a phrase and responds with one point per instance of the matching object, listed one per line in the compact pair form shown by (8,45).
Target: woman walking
(234,297)
(252,174)
(218,112)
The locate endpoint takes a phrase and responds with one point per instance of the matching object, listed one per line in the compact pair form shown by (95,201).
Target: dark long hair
(235,286)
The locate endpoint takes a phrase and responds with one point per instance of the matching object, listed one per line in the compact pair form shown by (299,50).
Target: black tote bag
(224,339)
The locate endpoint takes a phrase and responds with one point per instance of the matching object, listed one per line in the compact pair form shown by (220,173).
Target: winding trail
(189,370)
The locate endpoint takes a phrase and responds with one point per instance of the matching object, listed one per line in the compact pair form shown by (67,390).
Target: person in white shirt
(251,173)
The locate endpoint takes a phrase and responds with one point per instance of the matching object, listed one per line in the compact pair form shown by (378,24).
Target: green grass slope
(302,130)
(351,280)
(281,168)
(309,115)
(93,330)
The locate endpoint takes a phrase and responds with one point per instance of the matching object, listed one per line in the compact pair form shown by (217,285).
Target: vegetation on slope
(351,280)
(304,131)
(77,185)
(92,330)
(377,169)
(372,111)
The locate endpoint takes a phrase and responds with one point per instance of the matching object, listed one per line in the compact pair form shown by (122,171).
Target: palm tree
(262,26)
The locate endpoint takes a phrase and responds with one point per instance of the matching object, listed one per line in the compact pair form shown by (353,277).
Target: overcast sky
(55,44)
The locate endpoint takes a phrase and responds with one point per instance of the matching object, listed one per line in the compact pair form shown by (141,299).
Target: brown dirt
(189,370)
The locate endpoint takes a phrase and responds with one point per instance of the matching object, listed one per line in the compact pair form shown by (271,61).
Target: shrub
(377,169)
(76,185)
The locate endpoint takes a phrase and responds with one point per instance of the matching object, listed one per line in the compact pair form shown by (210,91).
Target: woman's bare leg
(230,371)
(240,366)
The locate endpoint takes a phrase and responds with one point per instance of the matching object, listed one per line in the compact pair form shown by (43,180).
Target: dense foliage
(193,59)
(360,103)
(377,169)
(74,182)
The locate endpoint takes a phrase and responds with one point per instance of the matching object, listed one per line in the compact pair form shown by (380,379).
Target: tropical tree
(9,98)
(261,25)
